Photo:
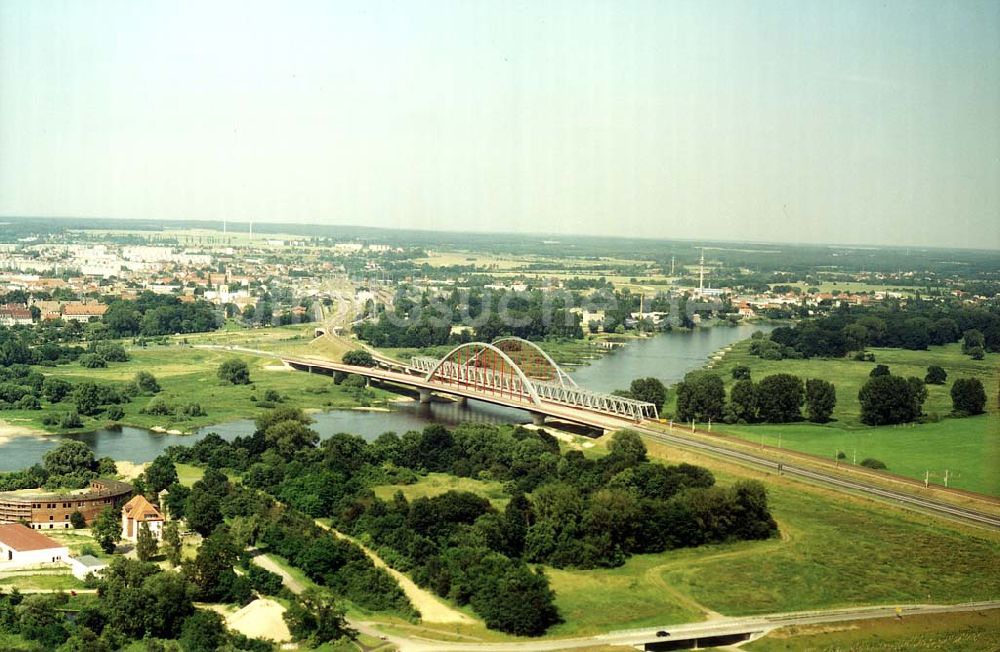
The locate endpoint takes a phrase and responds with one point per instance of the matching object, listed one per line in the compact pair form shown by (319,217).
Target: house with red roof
(138,511)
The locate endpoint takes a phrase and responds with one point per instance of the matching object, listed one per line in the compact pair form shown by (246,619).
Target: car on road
(662,633)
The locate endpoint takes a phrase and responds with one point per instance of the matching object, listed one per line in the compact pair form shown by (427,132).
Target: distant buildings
(14,315)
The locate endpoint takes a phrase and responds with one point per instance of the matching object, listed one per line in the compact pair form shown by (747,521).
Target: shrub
(77,521)
(92,361)
(71,420)
(115,413)
(359,358)
(147,382)
(157,407)
(234,371)
(873,463)
(741,372)
(936,375)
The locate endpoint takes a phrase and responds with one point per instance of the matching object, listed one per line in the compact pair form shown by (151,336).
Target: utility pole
(927,478)
(946,477)
(671,265)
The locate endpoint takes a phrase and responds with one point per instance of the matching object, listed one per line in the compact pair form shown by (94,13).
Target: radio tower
(701,273)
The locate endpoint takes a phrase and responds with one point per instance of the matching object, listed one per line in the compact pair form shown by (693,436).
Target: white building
(84,565)
(138,511)
(21,546)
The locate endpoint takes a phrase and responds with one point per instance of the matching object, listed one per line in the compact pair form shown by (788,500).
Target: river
(668,357)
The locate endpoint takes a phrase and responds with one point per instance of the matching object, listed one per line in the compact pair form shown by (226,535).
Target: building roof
(19,537)
(90,561)
(141,509)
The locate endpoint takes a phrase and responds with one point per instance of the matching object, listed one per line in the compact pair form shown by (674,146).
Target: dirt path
(267,563)
(431,608)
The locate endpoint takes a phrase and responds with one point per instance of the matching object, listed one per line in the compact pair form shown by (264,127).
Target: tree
(973,341)
(160,474)
(743,400)
(202,511)
(55,389)
(821,397)
(316,618)
(936,375)
(780,398)
(701,396)
(77,520)
(172,543)
(234,371)
(887,400)
(627,448)
(919,391)
(68,458)
(879,370)
(211,571)
(359,358)
(741,372)
(968,396)
(107,529)
(145,546)
(650,390)
(146,382)
(203,631)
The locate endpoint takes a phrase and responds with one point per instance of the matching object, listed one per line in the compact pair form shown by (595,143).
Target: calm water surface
(668,357)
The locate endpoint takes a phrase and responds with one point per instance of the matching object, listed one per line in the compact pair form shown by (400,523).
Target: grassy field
(958,632)
(969,449)
(435,484)
(188,375)
(46,581)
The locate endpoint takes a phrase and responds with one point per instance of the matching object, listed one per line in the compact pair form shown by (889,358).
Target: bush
(936,375)
(272,396)
(157,407)
(359,358)
(92,361)
(873,463)
(71,420)
(115,413)
(147,383)
(234,371)
(741,372)
(77,521)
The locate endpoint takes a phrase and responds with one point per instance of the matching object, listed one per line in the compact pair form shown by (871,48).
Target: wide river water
(668,357)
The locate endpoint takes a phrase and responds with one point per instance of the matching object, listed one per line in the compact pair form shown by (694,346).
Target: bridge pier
(461,401)
(425,395)
(538,418)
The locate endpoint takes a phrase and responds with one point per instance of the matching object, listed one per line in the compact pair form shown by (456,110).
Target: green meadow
(967,448)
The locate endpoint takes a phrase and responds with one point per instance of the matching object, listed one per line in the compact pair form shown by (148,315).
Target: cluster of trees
(778,398)
(152,315)
(914,327)
(650,390)
(137,601)
(581,513)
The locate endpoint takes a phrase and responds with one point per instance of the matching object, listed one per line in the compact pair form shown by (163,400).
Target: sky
(784,121)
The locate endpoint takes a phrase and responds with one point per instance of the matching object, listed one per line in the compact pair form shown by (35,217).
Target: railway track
(926,505)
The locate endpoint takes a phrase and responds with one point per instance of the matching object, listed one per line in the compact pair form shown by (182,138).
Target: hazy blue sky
(866,122)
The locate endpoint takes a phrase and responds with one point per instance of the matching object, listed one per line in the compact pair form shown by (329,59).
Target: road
(758,625)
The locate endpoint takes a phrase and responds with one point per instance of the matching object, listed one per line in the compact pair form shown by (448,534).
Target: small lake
(667,356)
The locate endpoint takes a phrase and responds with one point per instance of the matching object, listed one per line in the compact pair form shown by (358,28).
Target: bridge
(510,372)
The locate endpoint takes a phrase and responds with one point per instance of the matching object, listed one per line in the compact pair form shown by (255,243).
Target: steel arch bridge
(520,373)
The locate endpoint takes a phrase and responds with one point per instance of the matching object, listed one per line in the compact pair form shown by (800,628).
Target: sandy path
(267,563)
(431,608)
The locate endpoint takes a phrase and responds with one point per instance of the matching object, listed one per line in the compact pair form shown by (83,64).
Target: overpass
(510,372)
